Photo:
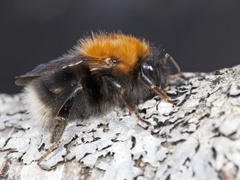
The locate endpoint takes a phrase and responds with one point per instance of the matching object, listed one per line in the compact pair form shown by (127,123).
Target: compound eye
(151,72)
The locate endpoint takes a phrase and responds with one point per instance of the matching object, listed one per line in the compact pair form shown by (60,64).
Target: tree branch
(197,139)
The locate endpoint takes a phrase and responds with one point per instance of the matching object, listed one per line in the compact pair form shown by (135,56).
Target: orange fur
(126,48)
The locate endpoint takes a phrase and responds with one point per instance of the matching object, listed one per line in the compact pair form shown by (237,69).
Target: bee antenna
(169,57)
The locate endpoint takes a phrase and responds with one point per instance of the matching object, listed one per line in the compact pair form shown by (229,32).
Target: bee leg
(134,111)
(55,137)
(121,90)
(160,92)
(60,123)
(59,127)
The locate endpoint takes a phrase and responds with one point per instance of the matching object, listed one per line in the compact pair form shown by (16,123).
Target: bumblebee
(103,70)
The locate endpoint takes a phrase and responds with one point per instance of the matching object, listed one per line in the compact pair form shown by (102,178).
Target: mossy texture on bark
(199,138)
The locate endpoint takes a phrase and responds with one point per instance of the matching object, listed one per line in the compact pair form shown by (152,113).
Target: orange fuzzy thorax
(126,48)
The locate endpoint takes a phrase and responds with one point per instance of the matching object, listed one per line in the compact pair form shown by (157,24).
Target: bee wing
(48,68)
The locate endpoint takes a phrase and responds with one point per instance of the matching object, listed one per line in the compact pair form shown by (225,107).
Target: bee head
(154,71)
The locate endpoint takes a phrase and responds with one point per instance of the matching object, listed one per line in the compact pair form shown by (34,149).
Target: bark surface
(199,138)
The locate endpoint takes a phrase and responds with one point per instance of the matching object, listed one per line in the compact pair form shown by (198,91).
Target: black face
(153,72)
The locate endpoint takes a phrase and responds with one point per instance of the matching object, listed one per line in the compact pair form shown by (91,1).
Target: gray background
(200,35)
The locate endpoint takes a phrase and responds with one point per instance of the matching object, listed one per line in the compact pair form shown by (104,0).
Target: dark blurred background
(200,35)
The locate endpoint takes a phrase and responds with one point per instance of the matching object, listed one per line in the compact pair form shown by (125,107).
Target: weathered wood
(197,139)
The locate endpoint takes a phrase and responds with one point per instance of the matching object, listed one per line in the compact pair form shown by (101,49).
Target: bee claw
(174,101)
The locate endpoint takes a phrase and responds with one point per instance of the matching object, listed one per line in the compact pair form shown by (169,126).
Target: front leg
(121,92)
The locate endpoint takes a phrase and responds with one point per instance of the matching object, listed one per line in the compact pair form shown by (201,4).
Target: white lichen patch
(199,138)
